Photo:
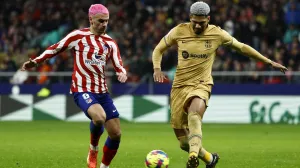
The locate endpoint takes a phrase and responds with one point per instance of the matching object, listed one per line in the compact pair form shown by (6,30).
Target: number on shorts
(85,96)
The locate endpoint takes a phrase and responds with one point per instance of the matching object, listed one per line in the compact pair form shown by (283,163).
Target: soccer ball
(157,159)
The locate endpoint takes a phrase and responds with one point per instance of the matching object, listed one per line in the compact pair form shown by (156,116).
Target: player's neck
(95,33)
(191,28)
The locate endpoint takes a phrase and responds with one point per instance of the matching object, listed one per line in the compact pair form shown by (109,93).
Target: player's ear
(91,20)
(208,18)
(191,17)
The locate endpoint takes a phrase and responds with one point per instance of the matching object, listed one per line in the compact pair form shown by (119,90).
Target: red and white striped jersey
(91,53)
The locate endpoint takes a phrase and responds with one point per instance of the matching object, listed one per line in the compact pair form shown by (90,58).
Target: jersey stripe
(95,84)
(99,70)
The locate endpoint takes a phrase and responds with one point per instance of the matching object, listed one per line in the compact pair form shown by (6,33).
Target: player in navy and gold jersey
(197,42)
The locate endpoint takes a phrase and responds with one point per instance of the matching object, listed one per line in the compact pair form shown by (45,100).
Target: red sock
(108,155)
(94,139)
(96,132)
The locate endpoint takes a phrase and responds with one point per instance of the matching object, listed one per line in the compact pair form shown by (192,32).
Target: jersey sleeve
(116,58)
(67,42)
(170,38)
(226,38)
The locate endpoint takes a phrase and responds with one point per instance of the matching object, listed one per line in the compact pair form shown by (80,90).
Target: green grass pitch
(50,144)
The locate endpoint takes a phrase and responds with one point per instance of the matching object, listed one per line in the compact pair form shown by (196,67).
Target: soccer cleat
(214,161)
(103,166)
(193,162)
(92,158)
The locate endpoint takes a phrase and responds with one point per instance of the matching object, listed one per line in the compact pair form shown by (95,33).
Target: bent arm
(158,52)
(116,58)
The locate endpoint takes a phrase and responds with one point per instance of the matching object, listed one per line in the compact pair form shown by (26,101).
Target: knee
(196,109)
(197,105)
(115,135)
(99,120)
(97,114)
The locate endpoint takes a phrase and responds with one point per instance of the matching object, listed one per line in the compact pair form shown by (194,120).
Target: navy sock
(112,144)
(96,132)
(110,150)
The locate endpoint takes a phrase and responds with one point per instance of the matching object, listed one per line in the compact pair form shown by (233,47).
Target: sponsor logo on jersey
(94,62)
(99,57)
(186,55)
(96,59)
(198,56)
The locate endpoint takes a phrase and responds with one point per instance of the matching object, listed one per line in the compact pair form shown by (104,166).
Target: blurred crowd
(28,27)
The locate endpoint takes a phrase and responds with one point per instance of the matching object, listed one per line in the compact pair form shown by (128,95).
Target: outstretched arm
(252,53)
(66,43)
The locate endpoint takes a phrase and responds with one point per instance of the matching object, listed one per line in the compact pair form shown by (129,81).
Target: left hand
(122,77)
(279,67)
(28,64)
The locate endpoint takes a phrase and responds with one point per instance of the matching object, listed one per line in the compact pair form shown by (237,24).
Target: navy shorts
(85,99)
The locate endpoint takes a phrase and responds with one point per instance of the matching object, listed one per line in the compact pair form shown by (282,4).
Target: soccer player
(197,42)
(92,48)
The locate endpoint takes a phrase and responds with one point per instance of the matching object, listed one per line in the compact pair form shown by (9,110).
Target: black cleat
(193,162)
(214,162)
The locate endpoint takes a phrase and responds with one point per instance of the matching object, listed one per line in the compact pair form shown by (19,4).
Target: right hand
(28,64)
(122,77)
(158,75)
(279,67)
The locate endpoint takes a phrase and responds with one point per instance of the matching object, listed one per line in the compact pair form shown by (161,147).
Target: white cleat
(103,166)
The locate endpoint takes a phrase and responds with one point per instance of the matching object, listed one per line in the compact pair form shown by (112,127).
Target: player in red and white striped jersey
(91,52)
(92,48)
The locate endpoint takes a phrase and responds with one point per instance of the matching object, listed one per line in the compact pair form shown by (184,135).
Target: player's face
(199,23)
(99,23)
